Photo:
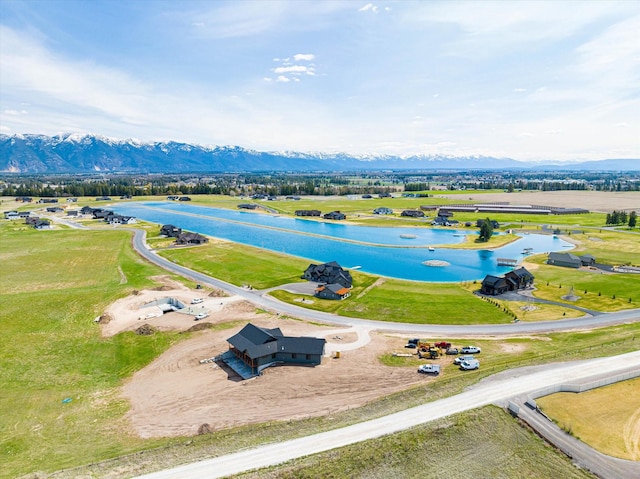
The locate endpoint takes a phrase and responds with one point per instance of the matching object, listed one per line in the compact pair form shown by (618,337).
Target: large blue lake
(385,253)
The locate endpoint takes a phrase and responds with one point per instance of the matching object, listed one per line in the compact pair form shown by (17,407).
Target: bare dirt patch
(591,200)
(176,395)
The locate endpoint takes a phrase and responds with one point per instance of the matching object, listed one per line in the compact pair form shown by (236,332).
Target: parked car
(452,351)
(470,364)
(197,300)
(429,369)
(470,350)
(411,345)
(200,316)
(460,359)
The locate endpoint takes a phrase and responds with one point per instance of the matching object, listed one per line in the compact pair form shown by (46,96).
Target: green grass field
(54,284)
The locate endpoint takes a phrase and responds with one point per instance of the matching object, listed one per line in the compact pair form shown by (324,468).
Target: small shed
(332,291)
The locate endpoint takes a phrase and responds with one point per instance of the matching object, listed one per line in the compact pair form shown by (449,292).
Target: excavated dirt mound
(106,318)
(199,327)
(217,293)
(205,429)
(146,330)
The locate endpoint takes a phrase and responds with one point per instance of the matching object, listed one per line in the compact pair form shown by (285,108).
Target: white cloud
(295,69)
(622,125)
(519,89)
(369,7)
(304,57)
(282,79)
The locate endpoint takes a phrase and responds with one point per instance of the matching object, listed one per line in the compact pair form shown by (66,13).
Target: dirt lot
(591,200)
(176,394)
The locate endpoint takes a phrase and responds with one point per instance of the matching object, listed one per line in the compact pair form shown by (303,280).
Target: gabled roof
(521,273)
(256,342)
(490,280)
(567,257)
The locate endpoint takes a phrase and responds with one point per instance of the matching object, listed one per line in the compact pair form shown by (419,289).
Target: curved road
(273,304)
(482,394)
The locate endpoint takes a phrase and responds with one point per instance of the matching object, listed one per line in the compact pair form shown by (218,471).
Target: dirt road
(480,395)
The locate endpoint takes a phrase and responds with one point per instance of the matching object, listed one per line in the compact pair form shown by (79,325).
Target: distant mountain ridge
(74,153)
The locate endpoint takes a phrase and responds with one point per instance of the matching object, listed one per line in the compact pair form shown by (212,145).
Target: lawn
(239,264)
(607,418)
(54,284)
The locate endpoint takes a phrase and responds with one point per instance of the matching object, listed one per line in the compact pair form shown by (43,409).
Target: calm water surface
(386,252)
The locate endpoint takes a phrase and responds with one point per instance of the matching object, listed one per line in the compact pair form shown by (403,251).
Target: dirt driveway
(176,394)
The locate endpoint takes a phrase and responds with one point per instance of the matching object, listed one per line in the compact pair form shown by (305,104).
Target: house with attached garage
(332,291)
(170,231)
(567,260)
(191,239)
(254,349)
(519,278)
(494,285)
(328,273)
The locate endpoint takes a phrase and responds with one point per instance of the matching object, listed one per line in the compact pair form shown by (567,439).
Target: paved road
(482,394)
(272,304)
(580,453)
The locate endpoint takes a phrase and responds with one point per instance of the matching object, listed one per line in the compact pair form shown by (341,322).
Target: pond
(375,250)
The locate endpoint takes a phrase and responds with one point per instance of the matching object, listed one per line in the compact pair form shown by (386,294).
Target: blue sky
(525,80)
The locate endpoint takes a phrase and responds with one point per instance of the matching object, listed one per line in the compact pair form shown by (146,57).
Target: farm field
(607,418)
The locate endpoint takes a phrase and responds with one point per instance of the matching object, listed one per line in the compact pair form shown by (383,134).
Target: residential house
(72,200)
(494,285)
(173,198)
(328,273)
(170,231)
(383,210)
(519,278)
(412,213)
(253,349)
(587,260)
(191,239)
(307,213)
(247,206)
(48,200)
(332,291)
(335,215)
(86,210)
(494,223)
(54,209)
(11,215)
(103,198)
(72,212)
(184,198)
(567,260)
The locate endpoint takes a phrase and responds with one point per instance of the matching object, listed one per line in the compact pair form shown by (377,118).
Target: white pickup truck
(429,369)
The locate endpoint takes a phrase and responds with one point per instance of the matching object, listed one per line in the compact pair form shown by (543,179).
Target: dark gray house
(335,215)
(247,206)
(412,213)
(519,278)
(191,238)
(170,231)
(307,213)
(328,273)
(494,285)
(564,259)
(587,260)
(253,349)
(332,291)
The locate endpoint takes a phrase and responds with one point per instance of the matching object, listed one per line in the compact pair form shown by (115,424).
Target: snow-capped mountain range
(77,153)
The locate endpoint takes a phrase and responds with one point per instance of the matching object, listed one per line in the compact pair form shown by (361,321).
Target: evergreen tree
(486,230)
(632,219)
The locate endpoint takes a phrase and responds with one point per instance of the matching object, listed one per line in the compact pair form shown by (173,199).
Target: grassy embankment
(464,445)
(607,418)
